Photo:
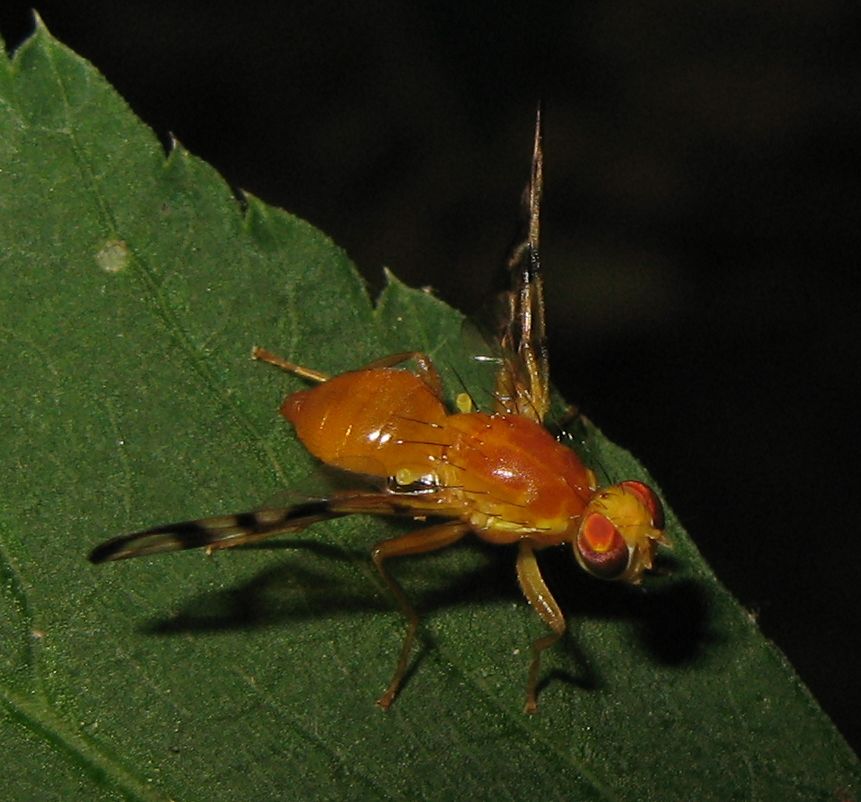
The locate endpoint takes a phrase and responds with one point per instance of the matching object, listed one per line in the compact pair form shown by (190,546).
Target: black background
(701,225)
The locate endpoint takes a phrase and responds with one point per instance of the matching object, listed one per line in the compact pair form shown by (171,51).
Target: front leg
(538,595)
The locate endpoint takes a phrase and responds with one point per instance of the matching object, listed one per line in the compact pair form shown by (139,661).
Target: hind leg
(427,372)
(291,367)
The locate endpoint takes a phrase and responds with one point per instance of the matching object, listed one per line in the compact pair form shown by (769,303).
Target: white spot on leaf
(113,256)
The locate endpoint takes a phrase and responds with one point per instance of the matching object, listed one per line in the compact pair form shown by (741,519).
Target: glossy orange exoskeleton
(499,475)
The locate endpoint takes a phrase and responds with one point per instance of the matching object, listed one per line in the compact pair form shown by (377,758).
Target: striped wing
(523,380)
(227,531)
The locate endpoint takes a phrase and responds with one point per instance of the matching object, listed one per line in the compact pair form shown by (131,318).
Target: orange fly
(499,475)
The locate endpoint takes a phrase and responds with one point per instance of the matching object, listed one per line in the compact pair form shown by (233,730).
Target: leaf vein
(77,746)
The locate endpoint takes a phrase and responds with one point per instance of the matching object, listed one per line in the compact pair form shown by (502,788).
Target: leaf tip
(40,29)
(174,146)
(391,279)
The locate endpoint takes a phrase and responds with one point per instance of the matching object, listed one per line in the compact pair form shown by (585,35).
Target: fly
(501,475)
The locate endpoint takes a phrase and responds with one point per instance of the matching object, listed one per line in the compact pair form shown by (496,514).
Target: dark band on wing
(223,531)
(523,381)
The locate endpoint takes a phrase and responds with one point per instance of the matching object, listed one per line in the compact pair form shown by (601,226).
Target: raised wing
(523,380)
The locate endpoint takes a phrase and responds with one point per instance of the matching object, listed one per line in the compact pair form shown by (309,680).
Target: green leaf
(133,286)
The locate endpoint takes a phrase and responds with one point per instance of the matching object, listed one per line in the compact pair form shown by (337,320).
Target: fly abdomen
(372,421)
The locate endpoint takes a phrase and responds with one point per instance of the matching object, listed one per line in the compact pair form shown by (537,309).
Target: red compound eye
(650,501)
(601,549)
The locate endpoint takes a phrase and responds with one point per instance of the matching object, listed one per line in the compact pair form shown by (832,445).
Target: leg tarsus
(538,646)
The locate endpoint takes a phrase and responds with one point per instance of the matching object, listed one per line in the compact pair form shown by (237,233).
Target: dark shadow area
(669,617)
(673,622)
(668,614)
(300,587)
(586,679)
(289,591)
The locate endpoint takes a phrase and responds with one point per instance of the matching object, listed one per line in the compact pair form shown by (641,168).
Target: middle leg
(421,542)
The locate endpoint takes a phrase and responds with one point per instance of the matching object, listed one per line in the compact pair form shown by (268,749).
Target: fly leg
(569,416)
(426,369)
(425,540)
(538,595)
(291,367)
